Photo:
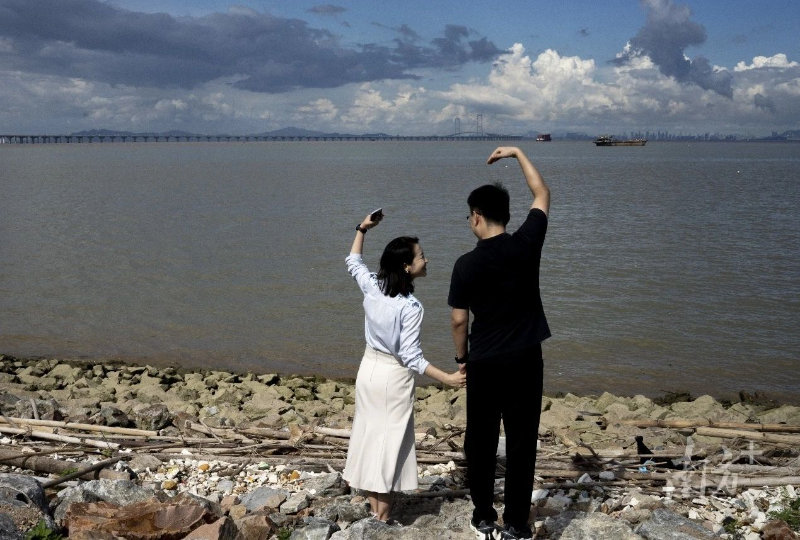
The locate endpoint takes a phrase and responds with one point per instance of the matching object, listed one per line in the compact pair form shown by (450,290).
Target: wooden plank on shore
(683,424)
(793,440)
(59,438)
(38,463)
(79,427)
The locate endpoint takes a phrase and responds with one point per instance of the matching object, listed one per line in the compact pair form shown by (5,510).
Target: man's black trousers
(507,387)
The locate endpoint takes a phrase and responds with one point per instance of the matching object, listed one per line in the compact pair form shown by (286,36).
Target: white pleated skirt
(381,456)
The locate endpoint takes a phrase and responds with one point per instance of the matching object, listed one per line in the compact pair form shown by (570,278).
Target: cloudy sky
(407,67)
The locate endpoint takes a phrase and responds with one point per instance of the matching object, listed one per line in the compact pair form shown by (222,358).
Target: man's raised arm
(541,193)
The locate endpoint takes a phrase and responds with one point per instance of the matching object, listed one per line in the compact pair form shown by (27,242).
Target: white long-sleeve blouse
(391,325)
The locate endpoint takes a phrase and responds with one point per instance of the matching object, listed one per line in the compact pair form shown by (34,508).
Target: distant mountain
(292,132)
(283,132)
(103,133)
(112,133)
(176,133)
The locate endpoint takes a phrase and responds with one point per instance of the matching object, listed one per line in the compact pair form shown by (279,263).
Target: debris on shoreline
(121,451)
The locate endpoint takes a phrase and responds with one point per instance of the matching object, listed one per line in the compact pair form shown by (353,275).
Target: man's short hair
(492,202)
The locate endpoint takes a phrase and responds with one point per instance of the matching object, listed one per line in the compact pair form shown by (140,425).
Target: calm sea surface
(668,267)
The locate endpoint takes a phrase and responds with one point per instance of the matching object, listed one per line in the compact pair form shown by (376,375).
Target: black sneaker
(510,533)
(483,530)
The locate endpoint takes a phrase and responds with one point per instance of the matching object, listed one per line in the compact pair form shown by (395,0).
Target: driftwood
(88,470)
(793,440)
(41,464)
(681,424)
(322,449)
(217,433)
(81,427)
(61,438)
(314,464)
(35,410)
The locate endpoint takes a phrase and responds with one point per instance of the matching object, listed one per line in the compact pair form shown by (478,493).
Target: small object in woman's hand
(377,215)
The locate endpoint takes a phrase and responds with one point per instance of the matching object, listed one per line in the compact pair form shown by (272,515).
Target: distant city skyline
(411,68)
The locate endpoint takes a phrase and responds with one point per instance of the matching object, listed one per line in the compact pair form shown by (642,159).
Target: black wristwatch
(462,360)
(360,229)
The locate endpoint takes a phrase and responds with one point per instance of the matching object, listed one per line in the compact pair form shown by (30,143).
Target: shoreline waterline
(551,389)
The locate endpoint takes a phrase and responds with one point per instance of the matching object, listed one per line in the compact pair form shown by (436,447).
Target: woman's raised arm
(361,229)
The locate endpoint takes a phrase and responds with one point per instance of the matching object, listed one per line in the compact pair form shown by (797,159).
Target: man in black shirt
(499,282)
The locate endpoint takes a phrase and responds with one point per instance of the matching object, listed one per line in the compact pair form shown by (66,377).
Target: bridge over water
(85,139)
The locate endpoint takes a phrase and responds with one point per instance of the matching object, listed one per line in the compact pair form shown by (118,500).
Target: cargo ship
(609,140)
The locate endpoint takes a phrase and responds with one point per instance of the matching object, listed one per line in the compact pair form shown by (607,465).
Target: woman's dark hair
(392,276)
(492,202)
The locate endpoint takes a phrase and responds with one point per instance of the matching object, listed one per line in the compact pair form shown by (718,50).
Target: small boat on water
(543,137)
(609,140)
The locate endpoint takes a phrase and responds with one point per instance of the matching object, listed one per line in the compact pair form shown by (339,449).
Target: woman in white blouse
(381,457)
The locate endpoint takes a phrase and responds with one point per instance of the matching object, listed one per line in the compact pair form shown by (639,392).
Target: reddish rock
(778,530)
(256,527)
(222,529)
(228,502)
(237,511)
(305,512)
(144,520)
(93,535)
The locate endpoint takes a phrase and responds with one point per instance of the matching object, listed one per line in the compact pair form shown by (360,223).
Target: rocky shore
(220,455)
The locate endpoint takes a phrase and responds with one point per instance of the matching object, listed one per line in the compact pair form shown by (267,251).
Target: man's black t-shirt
(499,282)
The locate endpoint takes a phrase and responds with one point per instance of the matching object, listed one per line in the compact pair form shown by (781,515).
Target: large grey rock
(372,529)
(666,525)
(19,490)
(23,503)
(327,391)
(264,403)
(152,417)
(314,528)
(788,414)
(583,526)
(341,509)
(144,461)
(558,415)
(295,503)
(636,498)
(8,529)
(264,497)
(328,485)
(8,401)
(121,492)
(438,405)
(111,416)
(47,408)
(704,408)
(606,399)
(69,374)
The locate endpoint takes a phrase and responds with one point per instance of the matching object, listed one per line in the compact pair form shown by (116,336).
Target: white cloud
(520,92)
(321,109)
(170,105)
(410,106)
(776,61)
(554,91)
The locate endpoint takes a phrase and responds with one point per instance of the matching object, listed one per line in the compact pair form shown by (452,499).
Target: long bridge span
(86,139)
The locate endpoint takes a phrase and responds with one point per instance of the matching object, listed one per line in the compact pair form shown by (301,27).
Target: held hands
(456,379)
(502,152)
